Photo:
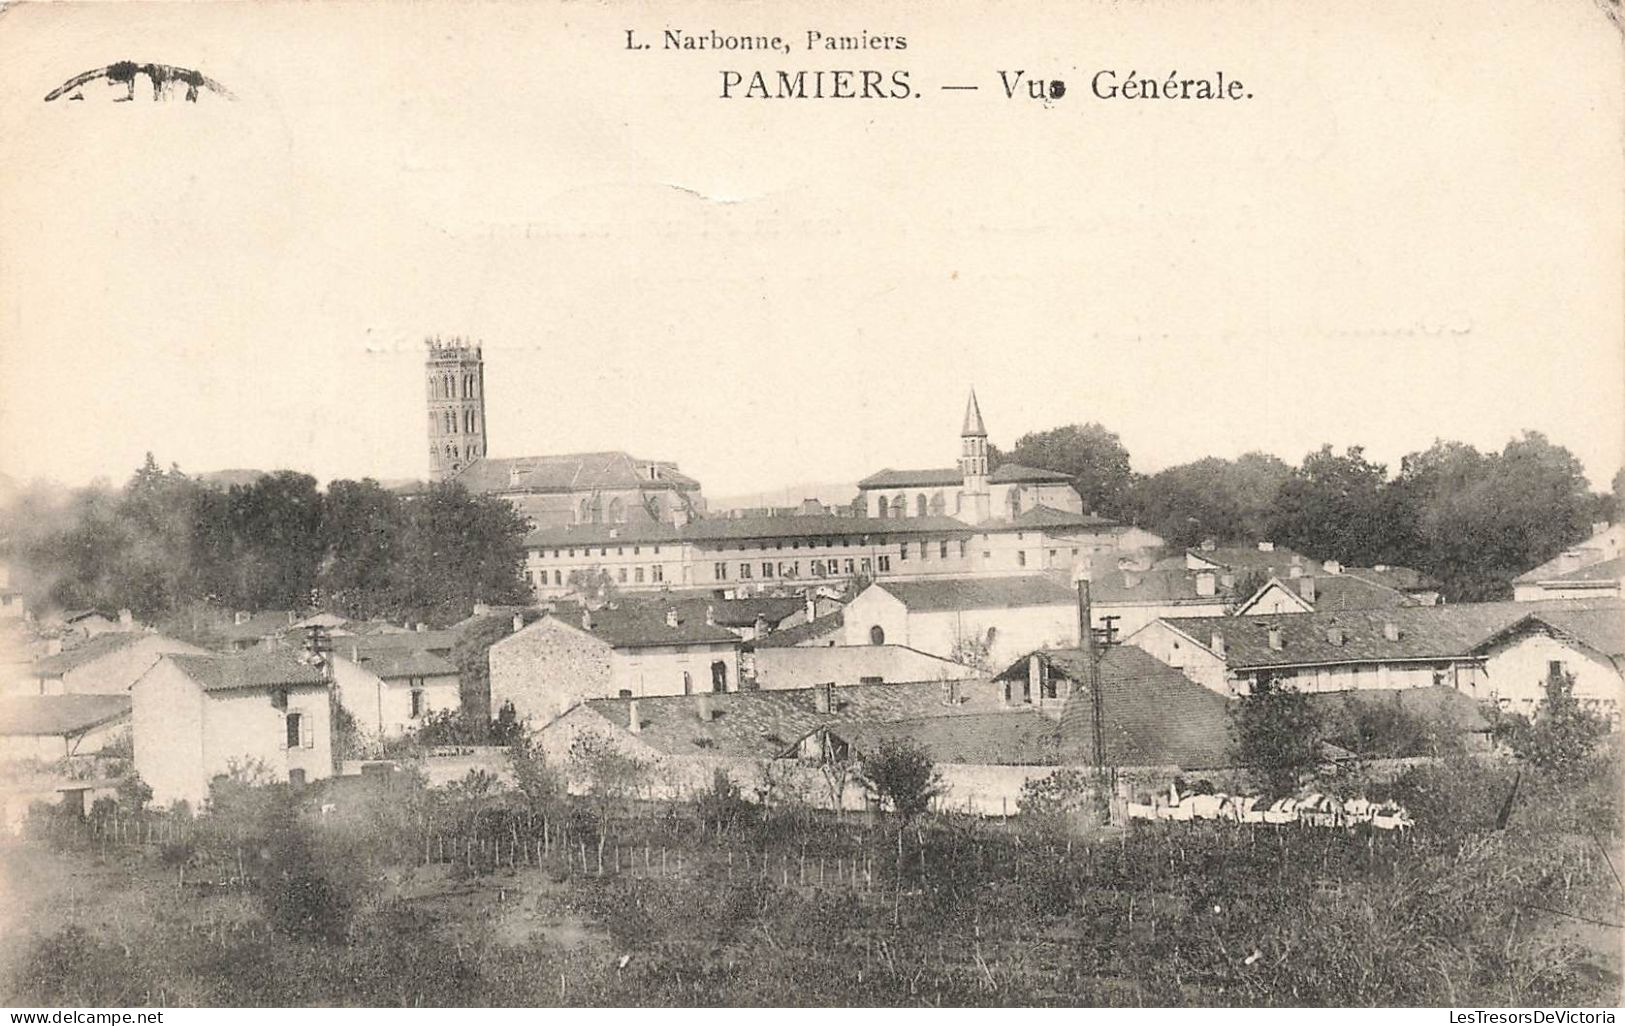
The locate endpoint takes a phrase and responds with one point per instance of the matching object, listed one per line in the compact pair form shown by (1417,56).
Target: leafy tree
(361,530)
(1055,802)
(901,774)
(1276,734)
(974,648)
(1562,734)
(456,550)
(609,776)
(276,523)
(592,585)
(1332,507)
(1230,501)
(1091,455)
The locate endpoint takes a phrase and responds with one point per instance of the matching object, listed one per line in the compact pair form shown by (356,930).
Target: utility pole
(1086,642)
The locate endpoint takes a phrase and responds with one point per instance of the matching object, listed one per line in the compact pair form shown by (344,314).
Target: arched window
(719,676)
(586,512)
(877,635)
(899,507)
(880,506)
(688,683)
(939,505)
(617,511)
(919,505)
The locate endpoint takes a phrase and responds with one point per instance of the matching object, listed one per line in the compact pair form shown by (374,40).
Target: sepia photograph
(586,504)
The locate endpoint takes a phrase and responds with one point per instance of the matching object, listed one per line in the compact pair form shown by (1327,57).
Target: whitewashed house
(196,717)
(1009,615)
(390,689)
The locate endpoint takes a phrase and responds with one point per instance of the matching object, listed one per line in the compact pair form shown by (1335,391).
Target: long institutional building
(643,523)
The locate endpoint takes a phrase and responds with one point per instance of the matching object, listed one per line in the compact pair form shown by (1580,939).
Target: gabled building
(1587,644)
(1355,649)
(1007,615)
(106,664)
(392,689)
(631,651)
(196,717)
(1587,569)
(1326,593)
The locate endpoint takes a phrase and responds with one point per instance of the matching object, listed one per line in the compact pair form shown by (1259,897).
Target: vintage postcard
(812,504)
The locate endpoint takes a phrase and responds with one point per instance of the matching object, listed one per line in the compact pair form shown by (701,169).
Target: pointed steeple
(973,419)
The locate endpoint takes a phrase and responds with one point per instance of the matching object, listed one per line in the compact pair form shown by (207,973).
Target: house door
(719,676)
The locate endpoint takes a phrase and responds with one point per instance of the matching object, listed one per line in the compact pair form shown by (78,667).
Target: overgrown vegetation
(408,895)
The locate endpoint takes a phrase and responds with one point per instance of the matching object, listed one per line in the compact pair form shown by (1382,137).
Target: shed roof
(86,652)
(59,715)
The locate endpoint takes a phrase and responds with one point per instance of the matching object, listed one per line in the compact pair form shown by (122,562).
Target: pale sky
(1414,229)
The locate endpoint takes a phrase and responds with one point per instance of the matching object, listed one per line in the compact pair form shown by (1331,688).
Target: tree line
(1472,520)
(166,542)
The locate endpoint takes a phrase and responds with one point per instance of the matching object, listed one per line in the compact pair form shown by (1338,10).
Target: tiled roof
(1601,546)
(571,472)
(397,663)
(59,715)
(743,612)
(247,670)
(1015,473)
(1425,632)
(793,667)
(86,652)
(1608,571)
(264,624)
(1402,577)
(1278,561)
(1333,592)
(821,627)
(765,724)
(1048,518)
(740,529)
(979,593)
(1154,715)
(1016,737)
(1167,586)
(645,532)
(931,477)
(1601,629)
(642,624)
(1454,709)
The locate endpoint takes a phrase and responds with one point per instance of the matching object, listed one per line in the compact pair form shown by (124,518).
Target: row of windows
(815,568)
(620,550)
(634,575)
(446,386)
(450,423)
(453,452)
(936,505)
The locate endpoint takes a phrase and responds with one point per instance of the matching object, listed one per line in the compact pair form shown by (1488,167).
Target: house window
(961,548)
(720,571)
(637,575)
(279,698)
(943,550)
(719,676)
(925,549)
(620,574)
(849,565)
(1021,557)
(835,566)
(658,572)
(1554,670)
(417,703)
(744,571)
(558,577)
(864,564)
(767,569)
(902,551)
(688,683)
(295,723)
(883,562)
(877,635)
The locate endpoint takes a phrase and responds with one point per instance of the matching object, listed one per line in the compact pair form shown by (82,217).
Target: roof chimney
(1130,580)
(240,618)
(812,607)
(1208,545)
(1306,588)
(1332,566)
(518,622)
(710,616)
(1390,631)
(1334,636)
(823,695)
(586,619)
(1296,572)
(1218,644)
(703,708)
(1205,583)
(482,609)
(1266,546)
(671,618)
(634,722)
(421,627)
(1276,644)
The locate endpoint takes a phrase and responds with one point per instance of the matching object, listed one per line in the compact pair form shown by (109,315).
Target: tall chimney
(812,607)
(634,723)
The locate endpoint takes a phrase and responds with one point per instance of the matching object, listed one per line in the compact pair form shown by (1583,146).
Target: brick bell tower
(454,380)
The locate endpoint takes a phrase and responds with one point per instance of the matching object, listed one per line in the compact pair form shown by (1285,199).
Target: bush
(900,773)
(1277,734)
(1562,735)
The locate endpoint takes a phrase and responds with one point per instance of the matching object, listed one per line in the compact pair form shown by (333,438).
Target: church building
(968,492)
(549,491)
